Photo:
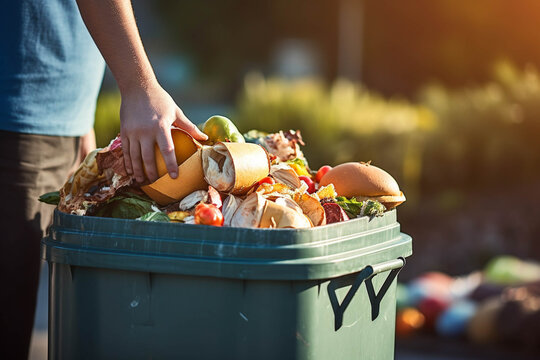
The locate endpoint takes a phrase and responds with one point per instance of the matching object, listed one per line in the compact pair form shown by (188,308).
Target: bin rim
(74,217)
(295,254)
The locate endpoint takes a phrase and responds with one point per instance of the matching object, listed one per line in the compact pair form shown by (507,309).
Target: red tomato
(309,182)
(208,214)
(323,170)
(267,180)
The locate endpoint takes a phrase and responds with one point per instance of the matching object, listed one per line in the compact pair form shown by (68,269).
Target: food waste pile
(254,180)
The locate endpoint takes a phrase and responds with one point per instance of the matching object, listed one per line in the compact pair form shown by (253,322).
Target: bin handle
(366,275)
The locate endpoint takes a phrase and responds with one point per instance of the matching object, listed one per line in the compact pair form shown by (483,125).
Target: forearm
(147,111)
(114,30)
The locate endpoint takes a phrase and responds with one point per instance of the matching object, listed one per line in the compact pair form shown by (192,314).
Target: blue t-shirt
(50,69)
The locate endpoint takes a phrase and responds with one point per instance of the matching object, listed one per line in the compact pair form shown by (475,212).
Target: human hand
(146,116)
(147,111)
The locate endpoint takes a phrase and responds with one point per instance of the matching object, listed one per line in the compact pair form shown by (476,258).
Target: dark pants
(30,165)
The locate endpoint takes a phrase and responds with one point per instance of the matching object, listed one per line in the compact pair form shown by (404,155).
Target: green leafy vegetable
(299,162)
(355,208)
(372,208)
(52,198)
(156,216)
(125,206)
(352,207)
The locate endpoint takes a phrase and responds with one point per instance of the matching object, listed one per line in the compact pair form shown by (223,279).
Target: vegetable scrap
(255,180)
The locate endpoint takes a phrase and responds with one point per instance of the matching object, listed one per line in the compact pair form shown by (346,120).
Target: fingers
(148,157)
(166,146)
(127,155)
(146,123)
(139,158)
(184,123)
(136,161)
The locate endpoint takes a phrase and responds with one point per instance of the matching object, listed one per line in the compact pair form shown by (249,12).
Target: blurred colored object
(431,308)
(416,293)
(482,327)
(437,280)
(436,277)
(519,317)
(509,270)
(485,291)
(408,320)
(464,286)
(453,321)
(500,305)
(431,284)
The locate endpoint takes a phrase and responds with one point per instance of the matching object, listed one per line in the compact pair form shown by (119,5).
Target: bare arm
(147,111)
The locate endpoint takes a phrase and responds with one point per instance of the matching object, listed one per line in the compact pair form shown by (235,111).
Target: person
(50,75)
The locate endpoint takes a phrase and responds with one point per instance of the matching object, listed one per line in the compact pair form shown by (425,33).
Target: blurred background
(443,94)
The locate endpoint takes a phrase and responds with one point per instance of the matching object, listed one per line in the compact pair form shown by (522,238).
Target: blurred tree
(406,43)
(228,38)
(411,42)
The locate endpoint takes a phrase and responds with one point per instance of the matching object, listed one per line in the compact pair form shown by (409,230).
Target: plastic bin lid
(277,254)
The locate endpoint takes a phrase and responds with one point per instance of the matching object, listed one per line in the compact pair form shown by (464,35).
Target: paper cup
(235,167)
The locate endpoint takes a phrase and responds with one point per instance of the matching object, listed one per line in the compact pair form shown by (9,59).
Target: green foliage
(473,137)
(107,123)
(339,123)
(487,134)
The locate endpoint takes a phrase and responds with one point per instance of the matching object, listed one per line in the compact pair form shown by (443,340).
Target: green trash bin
(127,289)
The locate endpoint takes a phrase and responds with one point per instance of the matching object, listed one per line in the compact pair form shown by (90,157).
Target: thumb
(185,124)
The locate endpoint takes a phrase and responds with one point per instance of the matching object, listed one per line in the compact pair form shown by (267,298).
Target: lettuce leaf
(355,208)
(125,206)
(51,198)
(352,207)
(156,216)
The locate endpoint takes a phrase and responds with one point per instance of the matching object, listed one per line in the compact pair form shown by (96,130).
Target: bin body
(124,289)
